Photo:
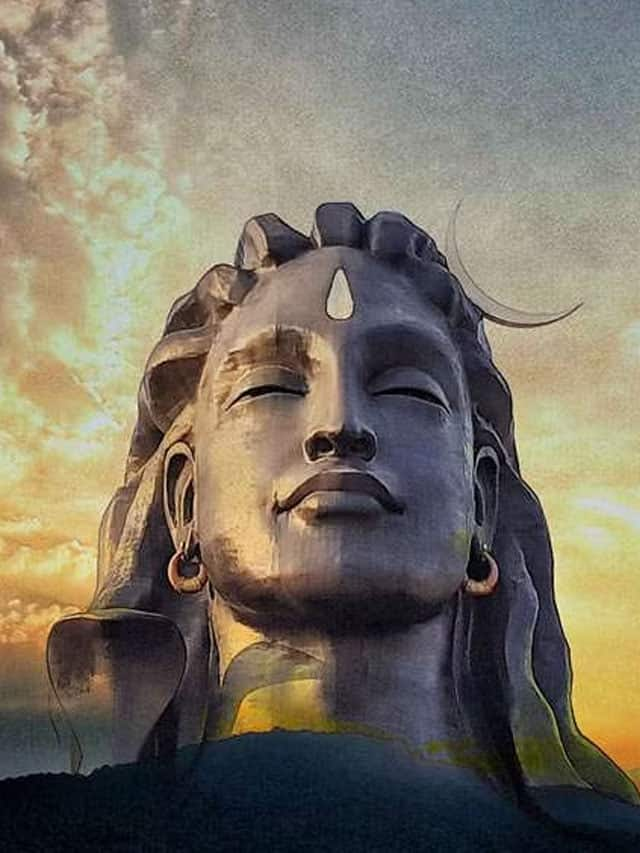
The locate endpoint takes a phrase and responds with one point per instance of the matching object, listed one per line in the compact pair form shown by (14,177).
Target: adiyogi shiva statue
(324,545)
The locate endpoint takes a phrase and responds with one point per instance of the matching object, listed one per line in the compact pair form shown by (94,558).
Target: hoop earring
(186,554)
(486,586)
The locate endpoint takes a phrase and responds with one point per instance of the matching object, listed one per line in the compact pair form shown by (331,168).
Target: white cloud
(596,536)
(611,509)
(28,622)
(20,527)
(89,232)
(630,344)
(61,572)
(15,118)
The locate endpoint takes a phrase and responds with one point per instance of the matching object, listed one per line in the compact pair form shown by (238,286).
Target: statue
(323,525)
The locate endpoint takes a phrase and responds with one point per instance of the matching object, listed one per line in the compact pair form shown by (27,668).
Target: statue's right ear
(179,493)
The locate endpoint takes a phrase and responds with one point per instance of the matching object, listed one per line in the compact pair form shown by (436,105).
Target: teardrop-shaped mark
(339,299)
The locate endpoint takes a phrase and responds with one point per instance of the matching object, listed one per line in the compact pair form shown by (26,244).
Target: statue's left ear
(486,478)
(179,494)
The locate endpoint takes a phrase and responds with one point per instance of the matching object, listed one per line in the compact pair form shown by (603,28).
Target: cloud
(28,622)
(22,527)
(63,572)
(90,170)
(15,119)
(630,345)
(613,510)
(92,241)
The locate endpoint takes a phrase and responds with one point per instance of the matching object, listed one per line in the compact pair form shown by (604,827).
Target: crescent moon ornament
(493,310)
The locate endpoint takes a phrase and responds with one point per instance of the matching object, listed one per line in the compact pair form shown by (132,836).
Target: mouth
(341,491)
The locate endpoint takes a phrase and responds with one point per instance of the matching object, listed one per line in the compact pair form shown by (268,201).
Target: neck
(392,684)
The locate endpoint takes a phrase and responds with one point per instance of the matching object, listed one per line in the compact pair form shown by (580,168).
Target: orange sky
(103,224)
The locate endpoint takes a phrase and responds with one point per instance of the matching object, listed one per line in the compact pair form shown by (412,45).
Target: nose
(340,443)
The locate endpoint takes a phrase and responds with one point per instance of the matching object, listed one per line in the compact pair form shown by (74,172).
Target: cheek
(239,458)
(431,451)
(434,462)
(232,513)
(237,464)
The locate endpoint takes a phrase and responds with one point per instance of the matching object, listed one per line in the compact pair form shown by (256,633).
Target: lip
(342,480)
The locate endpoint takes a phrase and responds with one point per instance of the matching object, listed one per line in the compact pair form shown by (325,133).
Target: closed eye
(267,381)
(409,382)
(264,390)
(416,393)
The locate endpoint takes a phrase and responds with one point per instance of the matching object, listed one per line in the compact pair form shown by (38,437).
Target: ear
(179,494)
(486,478)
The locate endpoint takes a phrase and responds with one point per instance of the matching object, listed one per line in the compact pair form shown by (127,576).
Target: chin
(344,598)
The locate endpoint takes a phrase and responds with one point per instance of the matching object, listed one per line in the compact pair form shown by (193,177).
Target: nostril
(341,443)
(365,446)
(323,445)
(319,445)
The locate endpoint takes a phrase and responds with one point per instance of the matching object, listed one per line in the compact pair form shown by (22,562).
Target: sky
(136,139)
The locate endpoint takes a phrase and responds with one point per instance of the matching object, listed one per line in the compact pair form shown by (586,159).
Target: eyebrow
(279,344)
(388,344)
(432,351)
(414,334)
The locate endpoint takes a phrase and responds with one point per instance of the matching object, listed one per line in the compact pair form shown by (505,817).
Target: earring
(186,553)
(486,586)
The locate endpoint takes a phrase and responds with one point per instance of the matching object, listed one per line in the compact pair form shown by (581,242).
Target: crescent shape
(493,310)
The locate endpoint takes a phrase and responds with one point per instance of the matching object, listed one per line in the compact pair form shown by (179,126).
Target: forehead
(295,296)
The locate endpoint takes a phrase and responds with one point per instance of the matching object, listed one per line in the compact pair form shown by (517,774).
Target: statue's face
(334,457)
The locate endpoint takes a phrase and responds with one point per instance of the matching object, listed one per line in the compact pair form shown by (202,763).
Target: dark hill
(297,792)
